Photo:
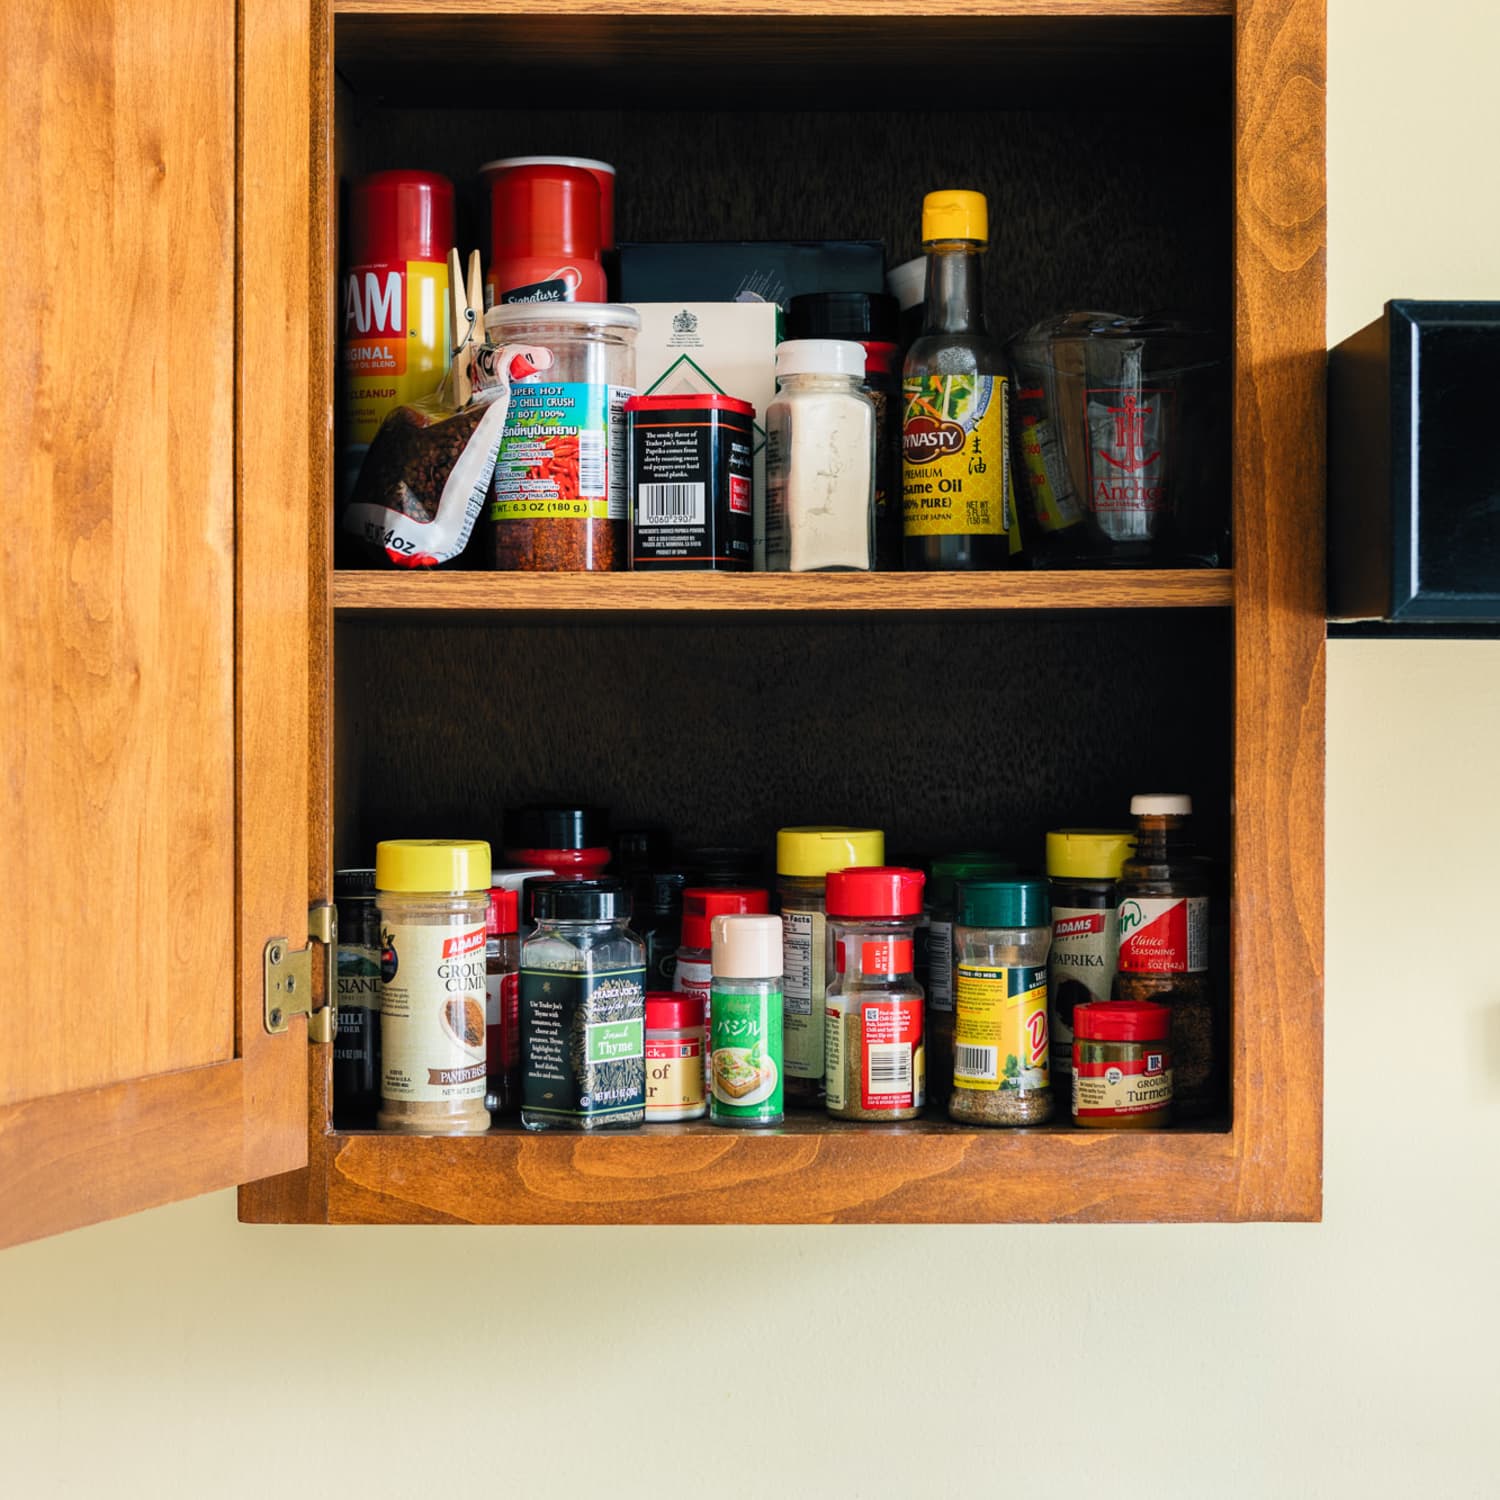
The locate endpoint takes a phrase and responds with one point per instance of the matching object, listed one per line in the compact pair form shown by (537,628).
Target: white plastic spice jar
(820,460)
(433,895)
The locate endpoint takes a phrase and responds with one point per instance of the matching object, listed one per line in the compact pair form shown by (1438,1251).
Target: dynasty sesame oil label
(583,1043)
(432,1012)
(955,466)
(1000,1027)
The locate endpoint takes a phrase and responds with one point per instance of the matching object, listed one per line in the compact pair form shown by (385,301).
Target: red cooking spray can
(394,303)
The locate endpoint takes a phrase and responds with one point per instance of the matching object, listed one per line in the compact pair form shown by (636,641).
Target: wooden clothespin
(468,323)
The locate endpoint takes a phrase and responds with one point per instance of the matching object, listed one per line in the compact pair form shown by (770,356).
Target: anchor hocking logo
(1130,436)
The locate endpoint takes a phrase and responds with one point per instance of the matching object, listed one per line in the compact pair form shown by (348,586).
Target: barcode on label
(661,504)
(974,1062)
(591,454)
(889,1066)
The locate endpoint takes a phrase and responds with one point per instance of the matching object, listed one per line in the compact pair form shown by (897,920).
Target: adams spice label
(432,1009)
(955,468)
(1164,935)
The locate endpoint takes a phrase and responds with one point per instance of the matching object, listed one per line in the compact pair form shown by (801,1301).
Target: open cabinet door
(157,645)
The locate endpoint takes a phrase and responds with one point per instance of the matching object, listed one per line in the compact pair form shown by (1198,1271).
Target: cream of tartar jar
(675,1046)
(433,896)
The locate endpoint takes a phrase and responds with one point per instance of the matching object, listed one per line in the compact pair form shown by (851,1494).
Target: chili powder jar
(356,1045)
(1122,1065)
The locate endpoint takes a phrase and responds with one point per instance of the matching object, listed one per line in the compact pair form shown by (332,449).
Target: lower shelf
(812,1171)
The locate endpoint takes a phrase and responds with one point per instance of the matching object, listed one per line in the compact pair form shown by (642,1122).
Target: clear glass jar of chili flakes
(558,498)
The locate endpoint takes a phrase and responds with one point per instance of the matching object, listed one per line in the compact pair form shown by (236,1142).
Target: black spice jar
(356,1046)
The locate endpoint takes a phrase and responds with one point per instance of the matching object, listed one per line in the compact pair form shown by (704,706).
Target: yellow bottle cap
(1088,853)
(813,852)
(435,866)
(955,214)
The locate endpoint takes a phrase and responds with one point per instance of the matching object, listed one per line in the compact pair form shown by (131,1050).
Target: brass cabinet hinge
(289,986)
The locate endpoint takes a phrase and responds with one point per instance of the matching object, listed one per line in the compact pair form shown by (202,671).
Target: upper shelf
(366,592)
(804,54)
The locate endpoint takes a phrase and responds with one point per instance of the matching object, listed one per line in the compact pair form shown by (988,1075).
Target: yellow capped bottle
(958,507)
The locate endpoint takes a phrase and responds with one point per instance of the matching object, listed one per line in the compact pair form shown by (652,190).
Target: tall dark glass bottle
(958,508)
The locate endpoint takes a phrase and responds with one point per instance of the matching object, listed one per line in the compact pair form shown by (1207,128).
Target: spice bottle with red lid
(502,1003)
(694,972)
(570,841)
(1122,1065)
(546,229)
(676,1075)
(874,1048)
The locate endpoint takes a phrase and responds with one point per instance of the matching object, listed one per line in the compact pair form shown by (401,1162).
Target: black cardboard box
(748,270)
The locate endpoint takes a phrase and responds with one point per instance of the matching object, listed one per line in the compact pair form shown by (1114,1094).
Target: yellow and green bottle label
(955,464)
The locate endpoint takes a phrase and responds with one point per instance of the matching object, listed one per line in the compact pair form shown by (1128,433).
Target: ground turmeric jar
(1122,1065)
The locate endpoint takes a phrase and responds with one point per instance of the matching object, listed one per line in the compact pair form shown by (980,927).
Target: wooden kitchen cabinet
(1138,152)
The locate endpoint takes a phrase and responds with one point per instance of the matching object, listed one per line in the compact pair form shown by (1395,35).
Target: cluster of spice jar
(574,998)
(630,437)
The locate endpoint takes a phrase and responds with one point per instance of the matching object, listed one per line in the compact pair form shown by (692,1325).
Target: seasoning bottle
(958,508)
(569,841)
(1000,1056)
(1122,1065)
(874,1049)
(583,1010)
(1083,865)
(658,923)
(433,895)
(726,866)
(693,974)
(502,1003)
(356,1047)
(872,321)
(820,460)
(745,1021)
(935,955)
(804,858)
(675,1049)
(1163,917)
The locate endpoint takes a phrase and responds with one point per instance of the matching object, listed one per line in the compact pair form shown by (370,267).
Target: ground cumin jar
(558,494)
(433,896)
(1122,1065)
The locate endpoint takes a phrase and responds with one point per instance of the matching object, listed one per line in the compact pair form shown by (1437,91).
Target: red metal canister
(394,312)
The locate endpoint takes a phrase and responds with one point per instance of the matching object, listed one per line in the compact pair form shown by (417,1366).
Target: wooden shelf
(360,593)
(812,1171)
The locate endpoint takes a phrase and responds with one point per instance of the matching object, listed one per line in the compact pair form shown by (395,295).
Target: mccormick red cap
(700,906)
(875,891)
(1121,1021)
(710,401)
(672,1012)
(397,216)
(544,209)
(504,914)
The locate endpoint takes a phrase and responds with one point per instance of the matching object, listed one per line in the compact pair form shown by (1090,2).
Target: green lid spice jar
(934,954)
(1000,1055)
(745,1020)
(1083,865)
(583,1010)
(1122,1066)
(874,1049)
(433,895)
(804,859)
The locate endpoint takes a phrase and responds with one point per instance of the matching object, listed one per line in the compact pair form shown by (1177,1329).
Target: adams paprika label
(955,467)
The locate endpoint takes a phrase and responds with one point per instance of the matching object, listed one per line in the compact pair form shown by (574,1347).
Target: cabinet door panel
(146,859)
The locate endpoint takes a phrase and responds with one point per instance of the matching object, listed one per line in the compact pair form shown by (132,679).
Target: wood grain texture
(281,271)
(116,583)
(1279,647)
(784,8)
(359,592)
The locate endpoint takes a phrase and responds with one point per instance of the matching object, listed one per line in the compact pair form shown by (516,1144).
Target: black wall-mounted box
(1414,466)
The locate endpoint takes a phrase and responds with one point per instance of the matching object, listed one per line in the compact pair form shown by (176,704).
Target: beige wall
(1352,1358)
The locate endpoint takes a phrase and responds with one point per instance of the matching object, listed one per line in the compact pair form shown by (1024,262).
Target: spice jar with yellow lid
(1122,1065)
(805,857)
(433,895)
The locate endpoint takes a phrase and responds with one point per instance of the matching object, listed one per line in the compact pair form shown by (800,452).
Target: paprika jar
(874,1049)
(1122,1065)
(558,496)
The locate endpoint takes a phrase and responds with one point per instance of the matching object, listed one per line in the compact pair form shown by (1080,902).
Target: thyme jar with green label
(583,1010)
